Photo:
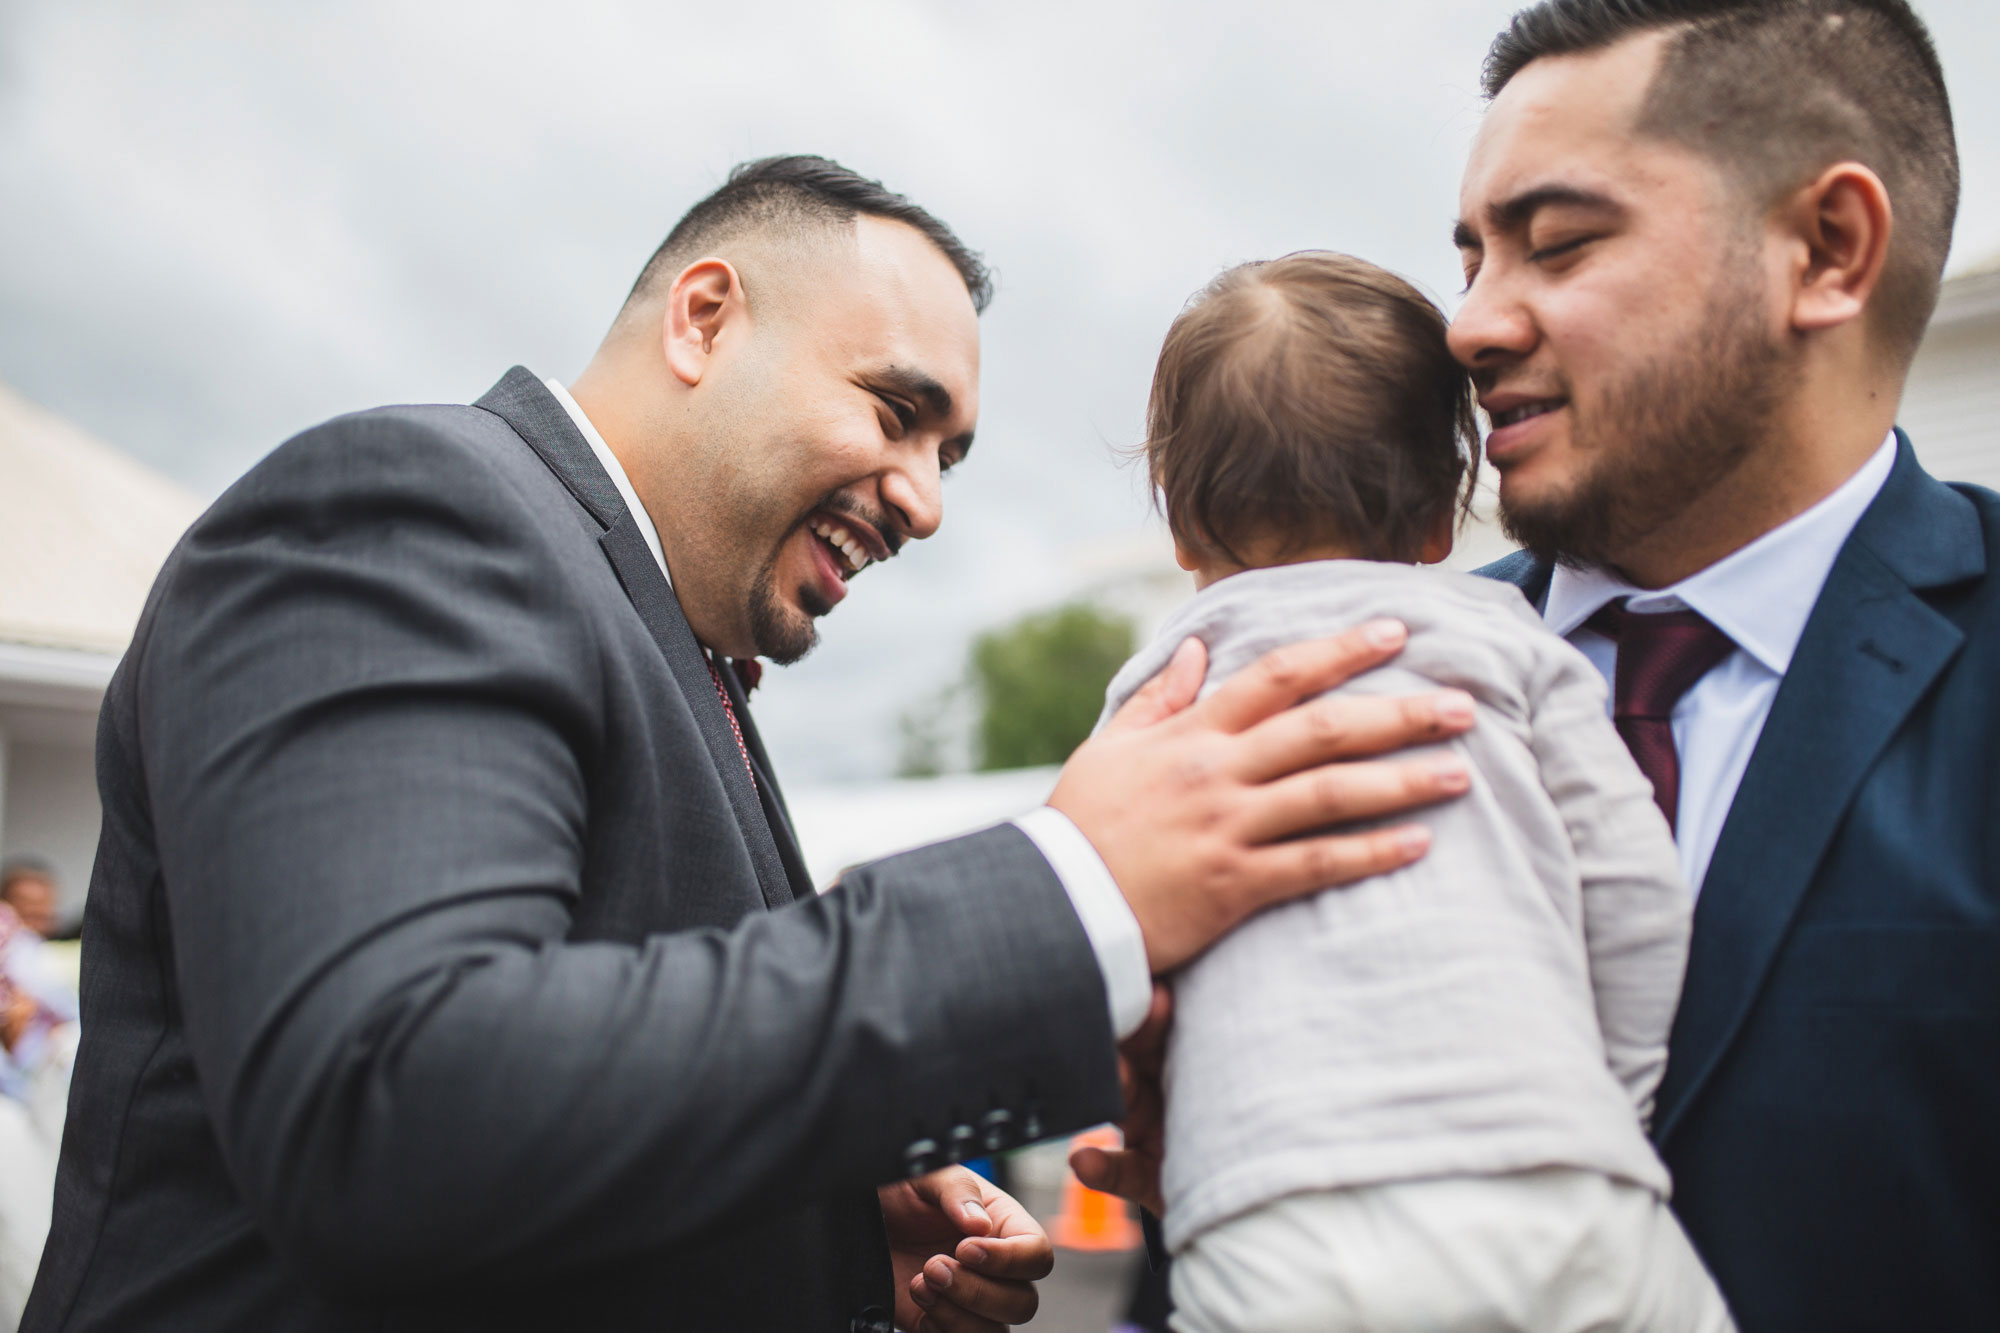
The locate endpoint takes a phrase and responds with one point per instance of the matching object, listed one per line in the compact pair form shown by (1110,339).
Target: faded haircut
(1775,92)
(794,194)
(1308,401)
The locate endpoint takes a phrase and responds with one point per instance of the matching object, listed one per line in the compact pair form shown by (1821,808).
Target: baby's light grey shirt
(1502,1004)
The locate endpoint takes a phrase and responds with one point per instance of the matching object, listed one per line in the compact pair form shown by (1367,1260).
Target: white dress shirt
(1760,596)
(1107,921)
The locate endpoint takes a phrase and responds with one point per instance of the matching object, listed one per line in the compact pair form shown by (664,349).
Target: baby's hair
(1305,401)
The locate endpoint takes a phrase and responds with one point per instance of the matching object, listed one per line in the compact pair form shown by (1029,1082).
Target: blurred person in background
(28,885)
(37,1047)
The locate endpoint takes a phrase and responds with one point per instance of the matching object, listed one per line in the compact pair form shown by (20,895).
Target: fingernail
(974,1211)
(1416,840)
(1451,774)
(939,1277)
(1454,708)
(1386,633)
(921,1293)
(973,1256)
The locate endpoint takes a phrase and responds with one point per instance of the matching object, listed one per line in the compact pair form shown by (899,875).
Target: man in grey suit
(451,964)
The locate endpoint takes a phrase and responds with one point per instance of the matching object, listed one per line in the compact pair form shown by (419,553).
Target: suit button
(996,1123)
(964,1144)
(872,1319)
(921,1157)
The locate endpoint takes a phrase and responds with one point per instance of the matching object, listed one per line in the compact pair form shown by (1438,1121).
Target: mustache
(846,506)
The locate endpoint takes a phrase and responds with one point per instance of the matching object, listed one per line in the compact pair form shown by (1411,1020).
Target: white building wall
(52,812)
(1951,407)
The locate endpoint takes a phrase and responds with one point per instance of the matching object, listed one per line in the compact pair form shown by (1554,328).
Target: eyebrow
(1515,213)
(925,390)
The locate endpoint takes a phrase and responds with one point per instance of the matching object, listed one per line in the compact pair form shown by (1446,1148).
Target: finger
(958,1194)
(1293,869)
(1167,693)
(997,1299)
(1147,1046)
(1127,1175)
(1024,1258)
(1283,676)
(1349,727)
(1344,793)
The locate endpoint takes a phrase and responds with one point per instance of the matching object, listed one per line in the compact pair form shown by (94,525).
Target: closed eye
(1558,250)
(905,414)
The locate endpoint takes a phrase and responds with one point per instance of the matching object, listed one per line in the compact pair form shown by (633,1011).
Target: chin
(782,632)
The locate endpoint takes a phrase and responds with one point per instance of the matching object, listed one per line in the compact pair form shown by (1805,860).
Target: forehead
(1573,120)
(886,296)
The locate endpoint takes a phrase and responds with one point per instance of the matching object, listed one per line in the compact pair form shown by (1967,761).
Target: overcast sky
(224,222)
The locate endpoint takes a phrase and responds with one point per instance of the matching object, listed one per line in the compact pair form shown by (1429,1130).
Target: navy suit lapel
(1870,650)
(525,403)
(1529,573)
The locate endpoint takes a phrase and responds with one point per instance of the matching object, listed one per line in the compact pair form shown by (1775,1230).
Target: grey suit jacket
(445,969)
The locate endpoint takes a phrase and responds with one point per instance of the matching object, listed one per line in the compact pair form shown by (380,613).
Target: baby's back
(1446,1019)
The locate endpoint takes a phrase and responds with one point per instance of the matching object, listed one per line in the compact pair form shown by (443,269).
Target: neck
(1212,568)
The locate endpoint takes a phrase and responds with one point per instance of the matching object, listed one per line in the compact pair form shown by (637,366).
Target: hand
(966,1255)
(1133,1172)
(1199,811)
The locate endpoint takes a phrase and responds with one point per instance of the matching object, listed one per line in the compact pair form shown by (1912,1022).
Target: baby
(1419,1102)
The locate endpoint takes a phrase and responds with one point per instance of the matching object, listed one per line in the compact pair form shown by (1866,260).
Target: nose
(913,491)
(1491,327)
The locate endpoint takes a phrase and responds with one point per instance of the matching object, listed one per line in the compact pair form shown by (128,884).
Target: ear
(1840,227)
(1437,543)
(1186,556)
(705,298)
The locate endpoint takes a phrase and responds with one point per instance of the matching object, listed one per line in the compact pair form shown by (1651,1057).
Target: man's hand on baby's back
(1206,814)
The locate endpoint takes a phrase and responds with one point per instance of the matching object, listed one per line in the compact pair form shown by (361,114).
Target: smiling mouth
(850,555)
(1514,416)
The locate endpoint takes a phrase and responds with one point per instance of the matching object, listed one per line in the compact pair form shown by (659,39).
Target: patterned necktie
(728,708)
(1660,657)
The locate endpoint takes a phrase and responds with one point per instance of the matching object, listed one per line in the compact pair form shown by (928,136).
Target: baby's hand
(1133,1172)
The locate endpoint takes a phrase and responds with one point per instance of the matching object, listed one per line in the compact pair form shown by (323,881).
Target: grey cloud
(228,221)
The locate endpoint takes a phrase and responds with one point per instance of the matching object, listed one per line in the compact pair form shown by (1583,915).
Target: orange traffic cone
(1091,1220)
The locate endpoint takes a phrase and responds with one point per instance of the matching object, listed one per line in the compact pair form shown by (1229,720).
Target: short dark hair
(1310,400)
(800,190)
(1777,91)
(19,868)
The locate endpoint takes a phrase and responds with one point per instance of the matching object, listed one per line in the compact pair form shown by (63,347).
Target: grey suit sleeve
(367,719)
(1636,908)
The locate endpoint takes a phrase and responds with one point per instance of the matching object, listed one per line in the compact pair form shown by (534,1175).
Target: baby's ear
(1185,557)
(1437,545)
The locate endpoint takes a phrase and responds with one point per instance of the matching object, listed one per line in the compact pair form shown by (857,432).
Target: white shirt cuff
(1107,919)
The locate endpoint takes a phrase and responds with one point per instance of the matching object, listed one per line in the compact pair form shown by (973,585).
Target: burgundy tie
(1660,657)
(735,728)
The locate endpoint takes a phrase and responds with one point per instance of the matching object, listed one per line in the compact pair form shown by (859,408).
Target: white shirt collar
(1760,594)
(609,461)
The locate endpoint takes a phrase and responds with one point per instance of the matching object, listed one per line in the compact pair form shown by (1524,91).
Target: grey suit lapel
(524,403)
(776,814)
(1870,650)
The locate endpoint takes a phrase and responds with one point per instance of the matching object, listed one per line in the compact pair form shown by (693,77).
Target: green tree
(1040,683)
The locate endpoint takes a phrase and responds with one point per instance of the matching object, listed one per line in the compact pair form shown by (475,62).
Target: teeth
(845,542)
(1519,414)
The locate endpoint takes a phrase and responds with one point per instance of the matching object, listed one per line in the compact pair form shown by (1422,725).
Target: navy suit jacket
(1831,1105)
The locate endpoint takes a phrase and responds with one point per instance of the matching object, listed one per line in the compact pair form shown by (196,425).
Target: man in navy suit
(1702,240)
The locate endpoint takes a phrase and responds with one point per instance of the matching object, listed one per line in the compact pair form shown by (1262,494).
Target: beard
(783,635)
(1664,437)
